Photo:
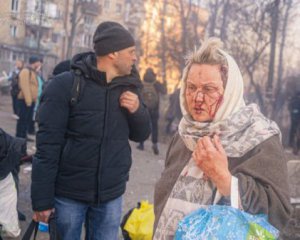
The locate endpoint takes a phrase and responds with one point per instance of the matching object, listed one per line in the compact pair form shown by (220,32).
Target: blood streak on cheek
(212,112)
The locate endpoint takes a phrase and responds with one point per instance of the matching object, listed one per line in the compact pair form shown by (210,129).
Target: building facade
(58,29)
(52,29)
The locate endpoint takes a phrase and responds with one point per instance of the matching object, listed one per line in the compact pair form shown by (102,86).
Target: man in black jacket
(83,155)
(11,151)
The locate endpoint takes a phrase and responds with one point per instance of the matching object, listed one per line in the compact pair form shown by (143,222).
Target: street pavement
(145,171)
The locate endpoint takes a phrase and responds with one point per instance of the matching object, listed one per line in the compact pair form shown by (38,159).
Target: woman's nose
(199,96)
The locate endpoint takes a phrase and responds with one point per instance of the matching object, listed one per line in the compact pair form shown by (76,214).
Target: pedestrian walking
(151,91)
(173,114)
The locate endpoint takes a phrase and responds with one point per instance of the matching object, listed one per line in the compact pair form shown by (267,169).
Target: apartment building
(64,28)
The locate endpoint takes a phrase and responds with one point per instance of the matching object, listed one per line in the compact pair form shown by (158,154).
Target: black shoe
(140,147)
(155,149)
(21,216)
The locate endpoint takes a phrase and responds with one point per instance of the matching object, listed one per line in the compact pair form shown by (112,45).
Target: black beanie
(33,59)
(111,37)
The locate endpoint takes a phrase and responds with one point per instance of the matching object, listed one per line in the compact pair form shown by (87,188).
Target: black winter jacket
(11,151)
(83,152)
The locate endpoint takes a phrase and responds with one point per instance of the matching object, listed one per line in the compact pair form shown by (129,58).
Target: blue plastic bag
(224,223)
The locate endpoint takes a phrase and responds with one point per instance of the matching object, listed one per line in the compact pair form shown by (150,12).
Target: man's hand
(42,216)
(130,101)
(211,158)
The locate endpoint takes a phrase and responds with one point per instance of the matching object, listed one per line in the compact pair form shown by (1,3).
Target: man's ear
(113,55)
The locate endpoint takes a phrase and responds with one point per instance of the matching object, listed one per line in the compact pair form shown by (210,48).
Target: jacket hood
(87,64)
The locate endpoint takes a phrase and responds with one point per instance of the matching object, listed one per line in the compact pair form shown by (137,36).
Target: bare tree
(178,28)
(248,41)
(214,6)
(75,19)
(278,100)
(163,42)
(185,11)
(274,27)
(225,15)
(249,30)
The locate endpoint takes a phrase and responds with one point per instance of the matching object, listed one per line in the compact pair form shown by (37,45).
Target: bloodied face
(204,91)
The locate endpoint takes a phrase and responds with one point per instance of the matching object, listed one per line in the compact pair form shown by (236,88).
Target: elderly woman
(221,144)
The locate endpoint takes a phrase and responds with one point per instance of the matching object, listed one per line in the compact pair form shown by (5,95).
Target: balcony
(90,8)
(30,43)
(33,19)
(40,13)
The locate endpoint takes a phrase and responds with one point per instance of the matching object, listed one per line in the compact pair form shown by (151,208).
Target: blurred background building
(53,29)
(263,37)
(57,30)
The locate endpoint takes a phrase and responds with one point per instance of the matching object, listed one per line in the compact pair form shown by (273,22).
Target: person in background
(31,126)
(11,151)
(61,67)
(294,108)
(41,83)
(151,91)
(28,84)
(15,90)
(83,155)
(222,144)
(173,113)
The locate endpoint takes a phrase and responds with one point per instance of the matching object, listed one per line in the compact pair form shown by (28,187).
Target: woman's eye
(209,89)
(191,88)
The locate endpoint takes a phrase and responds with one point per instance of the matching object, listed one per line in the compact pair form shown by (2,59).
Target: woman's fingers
(198,154)
(218,144)
(208,145)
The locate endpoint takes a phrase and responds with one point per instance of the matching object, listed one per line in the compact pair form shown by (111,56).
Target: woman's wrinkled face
(204,91)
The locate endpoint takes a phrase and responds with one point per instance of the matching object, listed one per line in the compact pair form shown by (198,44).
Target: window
(37,7)
(14,56)
(106,4)
(87,40)
(88,20)
(14,5)
(118,8)
(13,31)
(55,37)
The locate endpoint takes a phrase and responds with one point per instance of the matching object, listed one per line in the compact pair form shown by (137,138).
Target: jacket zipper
(102,143)
(108,88)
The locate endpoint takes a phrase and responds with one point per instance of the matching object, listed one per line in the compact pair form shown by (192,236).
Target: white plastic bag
(8,207)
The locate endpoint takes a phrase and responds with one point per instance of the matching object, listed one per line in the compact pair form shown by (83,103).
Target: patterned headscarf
(239,127)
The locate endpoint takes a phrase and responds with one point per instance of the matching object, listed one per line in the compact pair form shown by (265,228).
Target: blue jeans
(102,223)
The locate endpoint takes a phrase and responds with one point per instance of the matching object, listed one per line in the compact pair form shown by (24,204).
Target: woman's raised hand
(211,158)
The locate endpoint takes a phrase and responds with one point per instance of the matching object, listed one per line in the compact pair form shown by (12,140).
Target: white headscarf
(240,127)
